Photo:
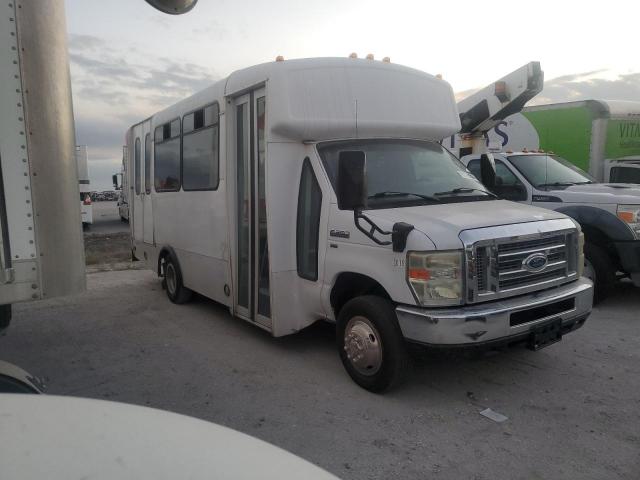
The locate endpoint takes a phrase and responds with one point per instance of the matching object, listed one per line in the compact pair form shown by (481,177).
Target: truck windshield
(547,171)
(401,172)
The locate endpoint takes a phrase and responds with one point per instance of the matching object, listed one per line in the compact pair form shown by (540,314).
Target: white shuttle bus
(315,189)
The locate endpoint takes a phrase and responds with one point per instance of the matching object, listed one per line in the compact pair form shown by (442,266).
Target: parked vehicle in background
(601,137)
(609,214)
(86,209)
(253,193)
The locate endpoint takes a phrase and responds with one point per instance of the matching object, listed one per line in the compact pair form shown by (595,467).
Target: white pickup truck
(609,214)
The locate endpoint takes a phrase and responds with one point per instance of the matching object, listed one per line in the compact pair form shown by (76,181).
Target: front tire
(172,282)
(371,344)
(600,270)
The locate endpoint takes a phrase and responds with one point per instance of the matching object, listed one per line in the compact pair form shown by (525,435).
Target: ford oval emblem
(536,262)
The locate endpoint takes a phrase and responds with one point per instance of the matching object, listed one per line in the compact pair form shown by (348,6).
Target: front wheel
(599,268)
(371,344)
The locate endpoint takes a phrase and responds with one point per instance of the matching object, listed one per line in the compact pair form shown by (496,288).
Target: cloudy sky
(128,60)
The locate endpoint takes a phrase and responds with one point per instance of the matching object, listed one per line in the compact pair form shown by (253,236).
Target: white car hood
(599,193)
(443,223)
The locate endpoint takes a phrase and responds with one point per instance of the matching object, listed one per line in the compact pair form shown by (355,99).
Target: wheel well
(165,252)
(349,285)
(598,237)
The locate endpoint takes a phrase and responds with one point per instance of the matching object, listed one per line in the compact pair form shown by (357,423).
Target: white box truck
(86,208)
(316,189)
(601,137)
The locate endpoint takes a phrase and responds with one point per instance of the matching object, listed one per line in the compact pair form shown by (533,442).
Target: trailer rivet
(13,48)
(25,174)
(30,241)
(34,286)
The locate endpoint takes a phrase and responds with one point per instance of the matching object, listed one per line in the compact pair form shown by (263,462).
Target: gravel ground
(573,409)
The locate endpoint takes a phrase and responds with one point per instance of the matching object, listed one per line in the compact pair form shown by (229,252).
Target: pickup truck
(609,214)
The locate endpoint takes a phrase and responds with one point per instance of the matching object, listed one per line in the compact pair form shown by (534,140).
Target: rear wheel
(370,343)
(599,268)
(172,282)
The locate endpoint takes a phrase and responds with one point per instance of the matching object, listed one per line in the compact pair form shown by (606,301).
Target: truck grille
(506,266)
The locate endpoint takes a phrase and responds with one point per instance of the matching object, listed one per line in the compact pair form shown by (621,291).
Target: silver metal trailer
(42,252)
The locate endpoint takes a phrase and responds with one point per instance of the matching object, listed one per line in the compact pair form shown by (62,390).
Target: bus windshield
(401,172)
(548,171)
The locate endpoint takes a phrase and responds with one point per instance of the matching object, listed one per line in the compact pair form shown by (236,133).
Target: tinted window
(508,186)
(167,157)
(136,167)
(200,150)
(308,223)
(625,175)
(147,163)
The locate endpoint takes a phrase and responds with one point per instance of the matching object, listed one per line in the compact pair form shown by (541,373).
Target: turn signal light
(419,274)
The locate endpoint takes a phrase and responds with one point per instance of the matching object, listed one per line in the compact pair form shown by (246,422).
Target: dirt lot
(573,408)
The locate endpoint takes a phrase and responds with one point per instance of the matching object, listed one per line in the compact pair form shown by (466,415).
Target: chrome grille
(496,266)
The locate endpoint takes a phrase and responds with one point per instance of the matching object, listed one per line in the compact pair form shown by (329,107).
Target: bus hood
(443,223)
(595,193)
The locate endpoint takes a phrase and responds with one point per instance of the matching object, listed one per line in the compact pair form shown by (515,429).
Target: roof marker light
(524,150)
(353,55)
(279,58)
(386,60)
(439,76)
(369,56)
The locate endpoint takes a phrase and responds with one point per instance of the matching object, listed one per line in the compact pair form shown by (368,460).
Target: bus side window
(308,223)
(136,167)
(147,163)
(200,140)
(166,167)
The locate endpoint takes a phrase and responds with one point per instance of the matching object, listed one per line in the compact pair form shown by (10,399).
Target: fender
(614,228)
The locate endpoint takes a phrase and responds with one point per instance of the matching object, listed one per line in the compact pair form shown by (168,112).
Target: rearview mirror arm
(399,234)
(373,228)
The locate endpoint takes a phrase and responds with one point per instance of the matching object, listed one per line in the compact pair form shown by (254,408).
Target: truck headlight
(436,277)
(630,214)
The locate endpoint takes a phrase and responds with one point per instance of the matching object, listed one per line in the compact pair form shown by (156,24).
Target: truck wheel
(172,281)
(599,269)
(370,343)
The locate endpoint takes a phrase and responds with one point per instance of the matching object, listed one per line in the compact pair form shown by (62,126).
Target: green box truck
(601,137)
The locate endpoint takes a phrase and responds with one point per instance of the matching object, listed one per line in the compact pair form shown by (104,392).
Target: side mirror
(488,171)
(352,181)
(114,179)
(173,7)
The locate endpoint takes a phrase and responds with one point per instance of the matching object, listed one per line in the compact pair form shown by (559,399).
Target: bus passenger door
(251,265)
(137,188)
(147,215)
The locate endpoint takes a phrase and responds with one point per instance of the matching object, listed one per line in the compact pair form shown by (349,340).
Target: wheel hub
(362,346)
(170,277)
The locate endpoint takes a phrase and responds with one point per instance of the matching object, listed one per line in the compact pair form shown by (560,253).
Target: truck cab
(609,214)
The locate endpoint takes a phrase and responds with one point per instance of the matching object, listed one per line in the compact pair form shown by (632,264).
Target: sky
(129,60)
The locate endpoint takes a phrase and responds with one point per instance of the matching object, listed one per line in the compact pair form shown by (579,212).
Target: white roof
(329,98)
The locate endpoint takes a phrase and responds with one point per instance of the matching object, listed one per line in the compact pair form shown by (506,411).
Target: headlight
(630,214)
(436,278)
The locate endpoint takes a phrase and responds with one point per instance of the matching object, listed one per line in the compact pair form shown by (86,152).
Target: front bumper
(629,254)
(507,320)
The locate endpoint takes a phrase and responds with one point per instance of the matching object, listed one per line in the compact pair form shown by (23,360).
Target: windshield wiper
(455,191)
(390,194)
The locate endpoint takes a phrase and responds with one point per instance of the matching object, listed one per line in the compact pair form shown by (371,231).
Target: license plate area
(545,334)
